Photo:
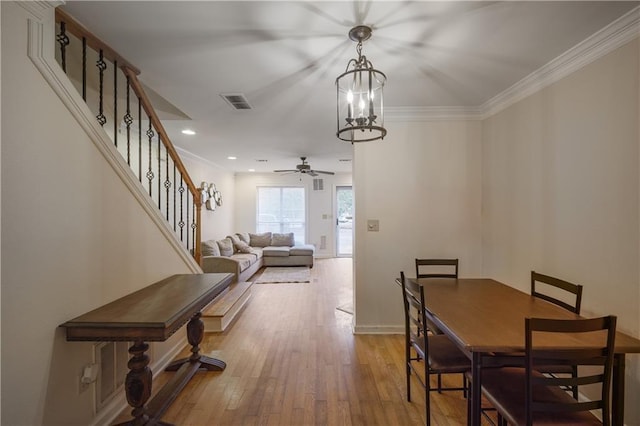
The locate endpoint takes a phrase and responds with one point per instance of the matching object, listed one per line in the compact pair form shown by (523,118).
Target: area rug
(284,274)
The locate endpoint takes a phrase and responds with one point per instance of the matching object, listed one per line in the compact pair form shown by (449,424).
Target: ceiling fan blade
(323,172)
(280,171)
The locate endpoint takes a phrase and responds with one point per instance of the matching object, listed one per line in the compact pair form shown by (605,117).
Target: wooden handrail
(79,30)
(132,72)
(155,122)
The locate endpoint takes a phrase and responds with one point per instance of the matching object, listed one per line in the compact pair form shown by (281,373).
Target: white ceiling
(284,56)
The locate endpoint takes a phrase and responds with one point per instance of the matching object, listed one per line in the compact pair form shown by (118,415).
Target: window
(282,210)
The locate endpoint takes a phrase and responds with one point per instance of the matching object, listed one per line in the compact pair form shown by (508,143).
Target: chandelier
(360,99)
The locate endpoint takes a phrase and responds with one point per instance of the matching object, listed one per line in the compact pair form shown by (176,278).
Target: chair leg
(439,383)
(408,382)
(464,386)
(574,388)
(427,400)
(501,420)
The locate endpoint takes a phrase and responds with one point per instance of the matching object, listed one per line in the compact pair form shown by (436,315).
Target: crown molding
(609,38)
(39,9)
(432,113)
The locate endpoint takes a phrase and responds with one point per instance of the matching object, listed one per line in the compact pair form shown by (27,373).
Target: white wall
(561,192)
(320,212)
(73,239)
(423,184)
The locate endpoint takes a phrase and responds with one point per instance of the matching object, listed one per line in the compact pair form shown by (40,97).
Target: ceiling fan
(305,169)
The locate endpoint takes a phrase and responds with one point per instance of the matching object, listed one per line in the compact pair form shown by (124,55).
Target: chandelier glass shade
(360,96)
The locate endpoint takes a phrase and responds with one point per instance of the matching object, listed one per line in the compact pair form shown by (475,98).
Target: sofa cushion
(244,260)
(226,247)
(210,248)
(257,251)
(244,236)
(302,250)
(260,240)
(274,251)
(282,240)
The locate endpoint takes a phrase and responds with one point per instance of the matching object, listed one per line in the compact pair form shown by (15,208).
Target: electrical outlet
(82,386)
(89,375)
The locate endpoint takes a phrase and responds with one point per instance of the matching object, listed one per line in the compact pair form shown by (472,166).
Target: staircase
(110,88)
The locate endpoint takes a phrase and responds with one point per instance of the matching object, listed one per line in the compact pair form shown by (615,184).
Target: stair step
(221,312)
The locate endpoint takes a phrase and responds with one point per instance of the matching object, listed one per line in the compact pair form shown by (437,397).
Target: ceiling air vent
(236,100)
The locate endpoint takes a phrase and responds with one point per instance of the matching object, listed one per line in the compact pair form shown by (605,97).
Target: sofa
(243,254)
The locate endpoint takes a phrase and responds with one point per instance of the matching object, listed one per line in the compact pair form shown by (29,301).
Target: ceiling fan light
(365,84)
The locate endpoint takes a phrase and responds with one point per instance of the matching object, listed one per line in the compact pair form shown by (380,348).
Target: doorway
(344,221)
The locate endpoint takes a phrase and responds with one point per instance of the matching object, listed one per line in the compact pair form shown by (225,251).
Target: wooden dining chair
(525,396)
(436,268)
(555,287)
(427,354)
(566,295)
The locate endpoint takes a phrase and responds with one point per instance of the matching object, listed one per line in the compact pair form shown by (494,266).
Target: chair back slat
(436,266)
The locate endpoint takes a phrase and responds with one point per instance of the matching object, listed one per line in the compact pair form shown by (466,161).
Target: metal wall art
(210,196)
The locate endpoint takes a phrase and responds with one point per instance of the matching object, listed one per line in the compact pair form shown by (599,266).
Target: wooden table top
(151,314)
(484,315)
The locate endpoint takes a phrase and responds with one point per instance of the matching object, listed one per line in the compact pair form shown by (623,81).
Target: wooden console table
(154,314)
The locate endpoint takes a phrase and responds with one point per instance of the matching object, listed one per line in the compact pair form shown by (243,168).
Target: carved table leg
(137,384)
(195,333)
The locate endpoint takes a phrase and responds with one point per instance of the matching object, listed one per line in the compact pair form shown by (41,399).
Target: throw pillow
(226,247)
(260,240)
(244,247)
(282,240)
(244,236)
(210,248)
(235,240)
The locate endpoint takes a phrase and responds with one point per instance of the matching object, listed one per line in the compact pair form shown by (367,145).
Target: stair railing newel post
(68,25)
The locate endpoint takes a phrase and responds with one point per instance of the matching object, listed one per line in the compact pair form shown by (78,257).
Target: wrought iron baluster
(188,219)
(84,69)
(167,182)
(159,176)
(174,198)
(139,140)
(63,40)
(116,122)
(181,223)
(128,120)
(102,65)
(193,225)
(150,175)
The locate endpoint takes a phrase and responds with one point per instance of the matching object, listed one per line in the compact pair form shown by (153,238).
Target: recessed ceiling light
(252,170)
(188,132)
(232,158)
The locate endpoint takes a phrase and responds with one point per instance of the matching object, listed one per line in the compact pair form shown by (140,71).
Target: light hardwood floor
(292,359)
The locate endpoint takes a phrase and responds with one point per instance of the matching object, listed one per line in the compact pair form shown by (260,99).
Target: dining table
(484,317)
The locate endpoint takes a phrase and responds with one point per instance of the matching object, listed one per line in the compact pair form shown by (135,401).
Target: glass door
(344,221)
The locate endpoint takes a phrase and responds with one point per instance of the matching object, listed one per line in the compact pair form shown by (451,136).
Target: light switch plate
(373,225)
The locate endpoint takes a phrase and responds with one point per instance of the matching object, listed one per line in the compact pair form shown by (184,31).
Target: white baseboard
(378,329)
